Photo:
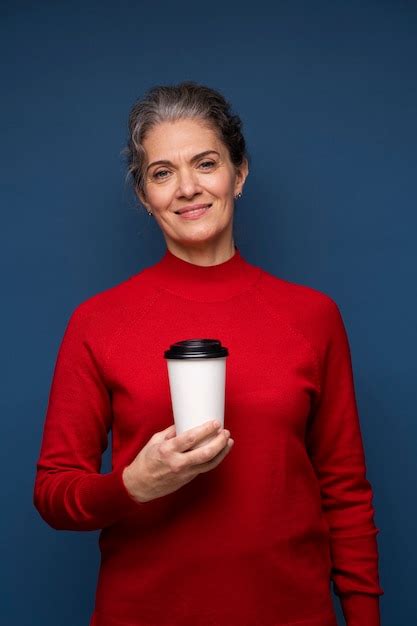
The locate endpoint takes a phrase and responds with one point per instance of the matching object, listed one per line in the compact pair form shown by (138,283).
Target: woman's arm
(335,446)
(70,493)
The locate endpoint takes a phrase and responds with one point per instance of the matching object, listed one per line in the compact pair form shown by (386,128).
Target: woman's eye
(161,173)
(157,174)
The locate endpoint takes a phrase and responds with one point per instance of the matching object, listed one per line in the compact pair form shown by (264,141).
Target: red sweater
(257,540)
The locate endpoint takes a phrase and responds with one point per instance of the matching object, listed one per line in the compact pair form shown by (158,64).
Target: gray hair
(169,103)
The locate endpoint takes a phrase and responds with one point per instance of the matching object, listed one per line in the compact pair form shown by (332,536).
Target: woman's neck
(203,253)
(205,283)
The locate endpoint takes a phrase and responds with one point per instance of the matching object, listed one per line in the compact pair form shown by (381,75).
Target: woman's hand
(167,462)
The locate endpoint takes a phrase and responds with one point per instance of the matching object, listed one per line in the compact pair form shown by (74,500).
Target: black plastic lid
(196,348)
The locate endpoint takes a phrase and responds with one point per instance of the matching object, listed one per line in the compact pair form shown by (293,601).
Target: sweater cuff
(360,609)
(111,499)
(126,500)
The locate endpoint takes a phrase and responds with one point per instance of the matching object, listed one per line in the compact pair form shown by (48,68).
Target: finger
(216,460)
(205,453)
(161,435)
(190,437)
(170,432)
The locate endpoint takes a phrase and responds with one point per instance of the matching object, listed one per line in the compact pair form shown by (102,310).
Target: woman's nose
(188,183)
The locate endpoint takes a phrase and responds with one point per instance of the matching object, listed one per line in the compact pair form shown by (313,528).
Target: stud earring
(239,195)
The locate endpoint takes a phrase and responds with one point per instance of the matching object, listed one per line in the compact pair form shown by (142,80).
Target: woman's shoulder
(294,294)
(312,311)
(115,305)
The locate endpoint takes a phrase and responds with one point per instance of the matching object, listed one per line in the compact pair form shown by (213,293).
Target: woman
(249,534)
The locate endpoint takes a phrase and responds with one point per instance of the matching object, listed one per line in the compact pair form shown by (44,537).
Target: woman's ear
(241,175)
(142,198)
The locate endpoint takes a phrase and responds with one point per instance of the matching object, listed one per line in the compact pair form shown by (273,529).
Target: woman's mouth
(194,214)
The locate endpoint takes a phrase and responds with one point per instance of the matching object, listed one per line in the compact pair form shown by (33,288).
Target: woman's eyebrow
(193,159)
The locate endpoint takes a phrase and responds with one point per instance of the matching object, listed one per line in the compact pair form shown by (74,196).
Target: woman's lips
(194,214)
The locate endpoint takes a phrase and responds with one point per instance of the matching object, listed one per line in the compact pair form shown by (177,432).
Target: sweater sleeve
(335,446)
(70,493)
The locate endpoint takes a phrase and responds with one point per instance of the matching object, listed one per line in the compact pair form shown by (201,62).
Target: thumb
(169,432)
(162,435)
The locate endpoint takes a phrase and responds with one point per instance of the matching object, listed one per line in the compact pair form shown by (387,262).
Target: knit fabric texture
(260,539)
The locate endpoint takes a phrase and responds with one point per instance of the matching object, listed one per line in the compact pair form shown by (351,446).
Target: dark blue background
(327,91)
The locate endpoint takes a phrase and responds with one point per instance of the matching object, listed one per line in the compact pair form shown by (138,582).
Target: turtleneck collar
(205,283)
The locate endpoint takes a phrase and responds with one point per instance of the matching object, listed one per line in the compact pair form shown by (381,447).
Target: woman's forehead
(187,137)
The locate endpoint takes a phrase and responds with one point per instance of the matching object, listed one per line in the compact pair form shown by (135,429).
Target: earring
(149,212)
(239,195)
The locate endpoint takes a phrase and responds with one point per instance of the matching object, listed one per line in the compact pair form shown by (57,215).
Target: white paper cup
(197,381)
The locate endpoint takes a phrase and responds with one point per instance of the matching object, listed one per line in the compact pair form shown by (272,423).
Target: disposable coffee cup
(197,381)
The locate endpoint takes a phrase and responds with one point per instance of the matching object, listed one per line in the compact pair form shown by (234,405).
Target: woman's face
(187,177)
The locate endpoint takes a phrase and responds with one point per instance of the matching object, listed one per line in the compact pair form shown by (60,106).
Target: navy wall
(327,91)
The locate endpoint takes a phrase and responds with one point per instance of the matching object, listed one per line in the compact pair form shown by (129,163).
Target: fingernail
(216,424)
